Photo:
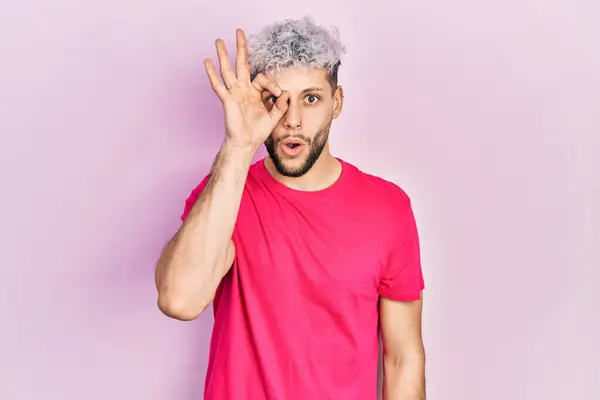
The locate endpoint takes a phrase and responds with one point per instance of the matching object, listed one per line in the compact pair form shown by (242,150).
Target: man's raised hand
(248,121)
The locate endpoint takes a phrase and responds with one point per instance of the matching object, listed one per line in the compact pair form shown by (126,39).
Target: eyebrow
(312,89)
(307,90)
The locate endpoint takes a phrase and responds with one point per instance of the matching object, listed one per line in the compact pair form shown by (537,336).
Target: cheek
(317,117)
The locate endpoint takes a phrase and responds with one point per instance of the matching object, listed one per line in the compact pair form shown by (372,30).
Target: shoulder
(384,192)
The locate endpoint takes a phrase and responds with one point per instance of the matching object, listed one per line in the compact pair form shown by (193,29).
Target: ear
(338,101)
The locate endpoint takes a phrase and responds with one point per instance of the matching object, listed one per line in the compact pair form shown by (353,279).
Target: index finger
(262,83)
(242,68)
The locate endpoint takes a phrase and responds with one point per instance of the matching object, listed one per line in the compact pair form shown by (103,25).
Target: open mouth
(292,147)
(292,143)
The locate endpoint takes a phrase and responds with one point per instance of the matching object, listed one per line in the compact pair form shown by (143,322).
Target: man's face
(301,135)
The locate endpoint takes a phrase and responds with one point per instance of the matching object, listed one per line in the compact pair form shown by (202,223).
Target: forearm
(404,378)
(194,261)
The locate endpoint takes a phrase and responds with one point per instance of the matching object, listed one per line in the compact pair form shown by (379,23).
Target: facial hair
(315,148)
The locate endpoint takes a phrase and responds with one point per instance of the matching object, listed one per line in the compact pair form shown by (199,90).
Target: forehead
(297,79)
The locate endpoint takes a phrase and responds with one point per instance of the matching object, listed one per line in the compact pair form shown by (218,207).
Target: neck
(324,173)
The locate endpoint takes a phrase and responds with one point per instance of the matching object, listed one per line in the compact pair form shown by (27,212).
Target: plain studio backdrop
(486,112)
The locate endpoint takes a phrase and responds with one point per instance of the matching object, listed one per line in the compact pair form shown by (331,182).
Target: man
(305,258)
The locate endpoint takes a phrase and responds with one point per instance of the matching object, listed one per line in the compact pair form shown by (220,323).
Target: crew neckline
(325,192)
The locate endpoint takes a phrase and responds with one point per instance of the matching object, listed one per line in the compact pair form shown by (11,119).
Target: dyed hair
(296,42)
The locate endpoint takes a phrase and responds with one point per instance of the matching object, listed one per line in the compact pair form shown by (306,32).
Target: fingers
(215,82)
(280,107)
(242,68)
(262,83)
(225,64)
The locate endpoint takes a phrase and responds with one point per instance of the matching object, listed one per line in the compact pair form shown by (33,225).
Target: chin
(292,168)
(295,163)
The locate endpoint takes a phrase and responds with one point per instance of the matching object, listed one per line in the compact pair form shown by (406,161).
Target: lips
(292,146)
(292,141)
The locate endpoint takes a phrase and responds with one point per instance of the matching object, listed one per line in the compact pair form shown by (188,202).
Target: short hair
(296,42)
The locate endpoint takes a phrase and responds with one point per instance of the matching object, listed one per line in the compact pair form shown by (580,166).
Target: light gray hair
(295,42)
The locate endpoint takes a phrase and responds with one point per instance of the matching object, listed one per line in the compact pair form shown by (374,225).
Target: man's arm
(403,350)
(195,260)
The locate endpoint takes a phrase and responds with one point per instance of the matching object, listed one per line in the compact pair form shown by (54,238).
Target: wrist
(238,152)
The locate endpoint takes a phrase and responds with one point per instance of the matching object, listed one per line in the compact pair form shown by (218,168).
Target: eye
(312,99)
(271,99)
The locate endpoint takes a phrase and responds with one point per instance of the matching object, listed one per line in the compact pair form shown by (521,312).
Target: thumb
(280,107)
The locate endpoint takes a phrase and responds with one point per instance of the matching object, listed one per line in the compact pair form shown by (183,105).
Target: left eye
(312,99)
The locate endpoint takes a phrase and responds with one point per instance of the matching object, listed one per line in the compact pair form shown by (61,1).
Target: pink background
(486,112)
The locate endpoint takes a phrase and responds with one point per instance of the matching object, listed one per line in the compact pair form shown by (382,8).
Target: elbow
(179,308)
(183,294)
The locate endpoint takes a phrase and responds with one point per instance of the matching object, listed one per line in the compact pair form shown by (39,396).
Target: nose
(293,117)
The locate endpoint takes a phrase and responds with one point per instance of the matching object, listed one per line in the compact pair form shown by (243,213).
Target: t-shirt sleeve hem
(406,296)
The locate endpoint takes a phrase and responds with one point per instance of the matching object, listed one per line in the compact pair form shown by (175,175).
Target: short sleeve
(402,276)
(191,200)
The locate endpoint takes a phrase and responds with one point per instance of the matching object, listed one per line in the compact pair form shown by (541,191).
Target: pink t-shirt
(296,317)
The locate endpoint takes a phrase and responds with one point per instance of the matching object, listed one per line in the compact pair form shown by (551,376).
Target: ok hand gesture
(248,121)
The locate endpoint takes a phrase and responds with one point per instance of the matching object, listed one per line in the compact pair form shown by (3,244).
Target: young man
(305,258)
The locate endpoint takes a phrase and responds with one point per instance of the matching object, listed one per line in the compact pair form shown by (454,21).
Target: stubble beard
(315,149)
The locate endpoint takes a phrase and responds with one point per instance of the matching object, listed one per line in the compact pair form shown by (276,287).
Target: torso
(296,317)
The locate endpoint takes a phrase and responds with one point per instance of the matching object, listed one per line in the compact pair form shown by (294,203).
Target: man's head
(303,58)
